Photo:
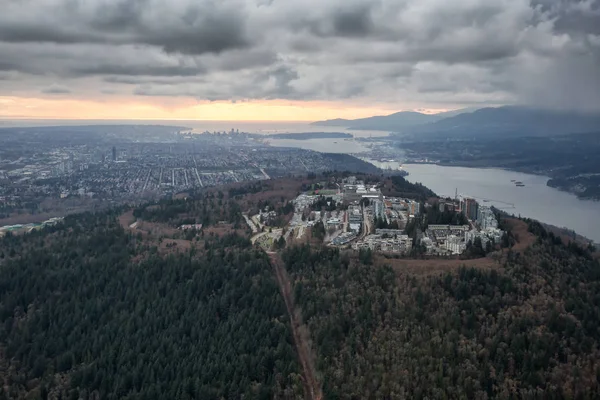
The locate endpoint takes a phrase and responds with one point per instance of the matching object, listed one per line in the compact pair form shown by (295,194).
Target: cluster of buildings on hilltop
(483,216)
(355,192)
(445,239)
(389,212)
(398,209)
(478,214)
(334,221)
(453,239)
(303,201)
(386,240)
(486,218)
(489,235)
(355,218)
(266,216)
(373,221)
(381,207)
(344,238)
(485,222)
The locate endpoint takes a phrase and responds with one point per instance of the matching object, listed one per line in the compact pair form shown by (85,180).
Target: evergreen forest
(92,308)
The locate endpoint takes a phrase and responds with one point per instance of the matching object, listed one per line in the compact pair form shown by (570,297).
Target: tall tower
(114,153)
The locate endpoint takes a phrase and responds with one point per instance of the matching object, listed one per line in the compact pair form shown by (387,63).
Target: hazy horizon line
(27,118)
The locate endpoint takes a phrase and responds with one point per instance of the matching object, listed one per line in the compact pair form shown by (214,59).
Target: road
(198,176)
(265,174)
(250,224)
(300,333)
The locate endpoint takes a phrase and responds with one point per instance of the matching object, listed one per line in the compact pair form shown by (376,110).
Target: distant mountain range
(512,121)
(508,120)
(393,122)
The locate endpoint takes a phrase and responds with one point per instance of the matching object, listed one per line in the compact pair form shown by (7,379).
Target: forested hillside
(101,307)
(528,329)
(82,318)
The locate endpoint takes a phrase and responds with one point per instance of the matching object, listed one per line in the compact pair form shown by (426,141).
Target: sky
(293,59)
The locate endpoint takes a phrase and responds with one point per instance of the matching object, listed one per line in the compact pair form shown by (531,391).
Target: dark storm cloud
(80,60)
(346,21)
(355,22)
(191,29)
(7,65)
(56,89)
(213,34)
(572,16)
(14,33)
(135,70)
(281,76)
(133,80)
(541,52)
(118,14)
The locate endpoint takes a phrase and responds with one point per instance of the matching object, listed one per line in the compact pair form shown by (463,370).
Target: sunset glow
(183,109)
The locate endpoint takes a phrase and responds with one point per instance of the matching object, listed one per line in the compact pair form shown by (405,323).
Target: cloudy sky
(293,59)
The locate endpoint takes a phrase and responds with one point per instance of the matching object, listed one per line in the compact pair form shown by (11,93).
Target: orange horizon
(184,109)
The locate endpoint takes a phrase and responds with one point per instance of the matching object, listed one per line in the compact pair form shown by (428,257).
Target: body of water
(535,200)
(338,145)
(323,145)
(386,164)
(258,127)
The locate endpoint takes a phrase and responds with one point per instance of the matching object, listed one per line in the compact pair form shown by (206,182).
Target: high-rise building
(474,212)
(487,219)
(415,207)
(470,209)
(114,153)
(379,209)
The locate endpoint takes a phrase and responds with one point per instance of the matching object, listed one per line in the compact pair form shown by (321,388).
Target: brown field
(520,230)
(434,266)
(174,245)
(54,207)
(152,231)
(126,219)
(180,196)
(286,188)
(27,218)
(426,267)
(223,229)
(156,229)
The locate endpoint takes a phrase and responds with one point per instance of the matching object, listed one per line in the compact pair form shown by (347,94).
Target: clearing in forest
(299,331)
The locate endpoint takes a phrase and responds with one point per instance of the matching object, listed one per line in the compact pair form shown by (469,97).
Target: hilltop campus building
(379,223)
(453,239)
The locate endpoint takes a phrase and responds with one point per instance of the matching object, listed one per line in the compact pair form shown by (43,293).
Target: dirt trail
(300,333)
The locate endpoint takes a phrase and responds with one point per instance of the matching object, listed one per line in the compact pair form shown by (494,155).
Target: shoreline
(518,170)
(535,201)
